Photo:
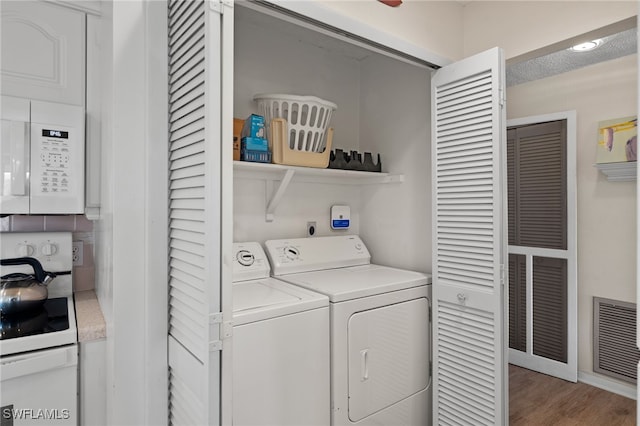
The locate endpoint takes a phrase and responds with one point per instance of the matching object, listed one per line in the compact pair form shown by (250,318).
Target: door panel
(517,302)
(388,356)
(469,241)
(550,308)
(537,179)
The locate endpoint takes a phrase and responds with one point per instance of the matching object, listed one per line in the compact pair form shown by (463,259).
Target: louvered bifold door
(469,241)
(540,224)
(195,210)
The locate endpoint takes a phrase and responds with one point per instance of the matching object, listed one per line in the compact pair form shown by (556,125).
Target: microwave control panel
(57,158)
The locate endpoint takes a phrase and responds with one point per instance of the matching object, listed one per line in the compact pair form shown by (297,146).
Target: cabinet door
(43,52)
(469,241)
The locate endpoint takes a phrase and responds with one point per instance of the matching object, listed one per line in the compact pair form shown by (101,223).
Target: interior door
(200,60)
(542,244)
(469,242)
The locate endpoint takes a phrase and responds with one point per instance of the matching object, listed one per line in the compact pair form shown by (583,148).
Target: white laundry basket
(307,117)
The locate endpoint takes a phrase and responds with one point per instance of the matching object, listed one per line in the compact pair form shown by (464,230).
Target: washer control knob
(245,258)
(24,250)
(291,253)
(49,249)
(358,246)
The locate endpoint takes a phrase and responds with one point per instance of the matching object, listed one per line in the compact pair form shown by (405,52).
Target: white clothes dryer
(280,347)
(380,328)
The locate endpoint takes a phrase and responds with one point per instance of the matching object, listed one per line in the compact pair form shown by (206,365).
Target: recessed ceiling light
(584,47)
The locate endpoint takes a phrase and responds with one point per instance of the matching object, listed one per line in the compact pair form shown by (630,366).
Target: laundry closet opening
(383,107)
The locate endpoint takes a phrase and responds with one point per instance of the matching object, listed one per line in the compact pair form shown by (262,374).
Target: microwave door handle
(20,150)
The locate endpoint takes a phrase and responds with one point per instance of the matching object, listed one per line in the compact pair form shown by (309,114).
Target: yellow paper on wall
(617,140)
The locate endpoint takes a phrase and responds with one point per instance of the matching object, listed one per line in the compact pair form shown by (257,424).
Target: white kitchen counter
(89,318)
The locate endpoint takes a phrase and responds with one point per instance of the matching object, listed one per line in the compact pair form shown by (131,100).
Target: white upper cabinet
(43,52)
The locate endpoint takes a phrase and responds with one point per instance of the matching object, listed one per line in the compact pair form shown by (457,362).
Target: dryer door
(388,356)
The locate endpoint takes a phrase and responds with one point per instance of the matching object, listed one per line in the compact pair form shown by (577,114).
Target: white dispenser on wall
(42,156)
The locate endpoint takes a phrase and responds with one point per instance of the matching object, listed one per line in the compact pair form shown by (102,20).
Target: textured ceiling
(612,47)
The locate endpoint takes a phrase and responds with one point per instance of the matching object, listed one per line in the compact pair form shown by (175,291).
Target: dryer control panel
(312,254)
(249,262)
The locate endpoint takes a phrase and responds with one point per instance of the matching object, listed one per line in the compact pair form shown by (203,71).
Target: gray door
(542,277)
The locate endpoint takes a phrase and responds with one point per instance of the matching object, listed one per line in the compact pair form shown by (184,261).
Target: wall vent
(614,339)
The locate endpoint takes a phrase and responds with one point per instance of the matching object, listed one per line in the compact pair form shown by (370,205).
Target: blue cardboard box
(254,144)
(254,127)
(256,156)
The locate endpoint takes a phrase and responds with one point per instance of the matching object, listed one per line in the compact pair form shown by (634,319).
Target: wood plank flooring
(538,399)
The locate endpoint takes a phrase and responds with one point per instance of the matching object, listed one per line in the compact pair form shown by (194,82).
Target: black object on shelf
(338,159)
(355,161)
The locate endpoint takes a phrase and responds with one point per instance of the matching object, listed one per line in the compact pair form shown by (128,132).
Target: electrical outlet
(77,253)
(311,229)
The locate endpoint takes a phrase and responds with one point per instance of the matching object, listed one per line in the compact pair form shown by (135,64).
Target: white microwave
(42,157)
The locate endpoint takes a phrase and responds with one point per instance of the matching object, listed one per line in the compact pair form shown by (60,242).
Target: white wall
(510,24)
(396,122)
(131,233)
(103,228)
(302,203)
(433,25)
(269,60)
(275,60)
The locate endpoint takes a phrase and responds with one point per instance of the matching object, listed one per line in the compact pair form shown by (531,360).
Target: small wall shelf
(619,172)
(273,173)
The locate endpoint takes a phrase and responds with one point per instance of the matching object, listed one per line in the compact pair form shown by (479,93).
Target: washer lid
(358,281)
(266,298)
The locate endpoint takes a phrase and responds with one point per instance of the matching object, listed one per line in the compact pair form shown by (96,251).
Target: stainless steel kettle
(20,292)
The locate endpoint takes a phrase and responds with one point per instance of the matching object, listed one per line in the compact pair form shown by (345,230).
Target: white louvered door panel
(196,188)
(469,242)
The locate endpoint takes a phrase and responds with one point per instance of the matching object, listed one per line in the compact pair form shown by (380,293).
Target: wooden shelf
(619,172)
(272,173)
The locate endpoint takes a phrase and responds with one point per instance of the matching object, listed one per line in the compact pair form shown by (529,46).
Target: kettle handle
(39,273)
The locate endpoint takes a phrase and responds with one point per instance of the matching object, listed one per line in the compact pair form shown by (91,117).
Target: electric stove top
(54,324)
(51,317)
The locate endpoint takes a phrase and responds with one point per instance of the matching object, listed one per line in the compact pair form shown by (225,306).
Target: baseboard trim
(627,390)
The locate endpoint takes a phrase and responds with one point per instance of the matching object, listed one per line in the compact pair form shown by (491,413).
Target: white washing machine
(280,347)
(380,328)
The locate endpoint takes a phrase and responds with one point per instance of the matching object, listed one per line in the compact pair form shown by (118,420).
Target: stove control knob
(291,253)
(24,250)
(245,258)
(49,249)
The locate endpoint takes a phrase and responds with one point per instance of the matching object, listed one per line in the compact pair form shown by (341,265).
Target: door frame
(568,371)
